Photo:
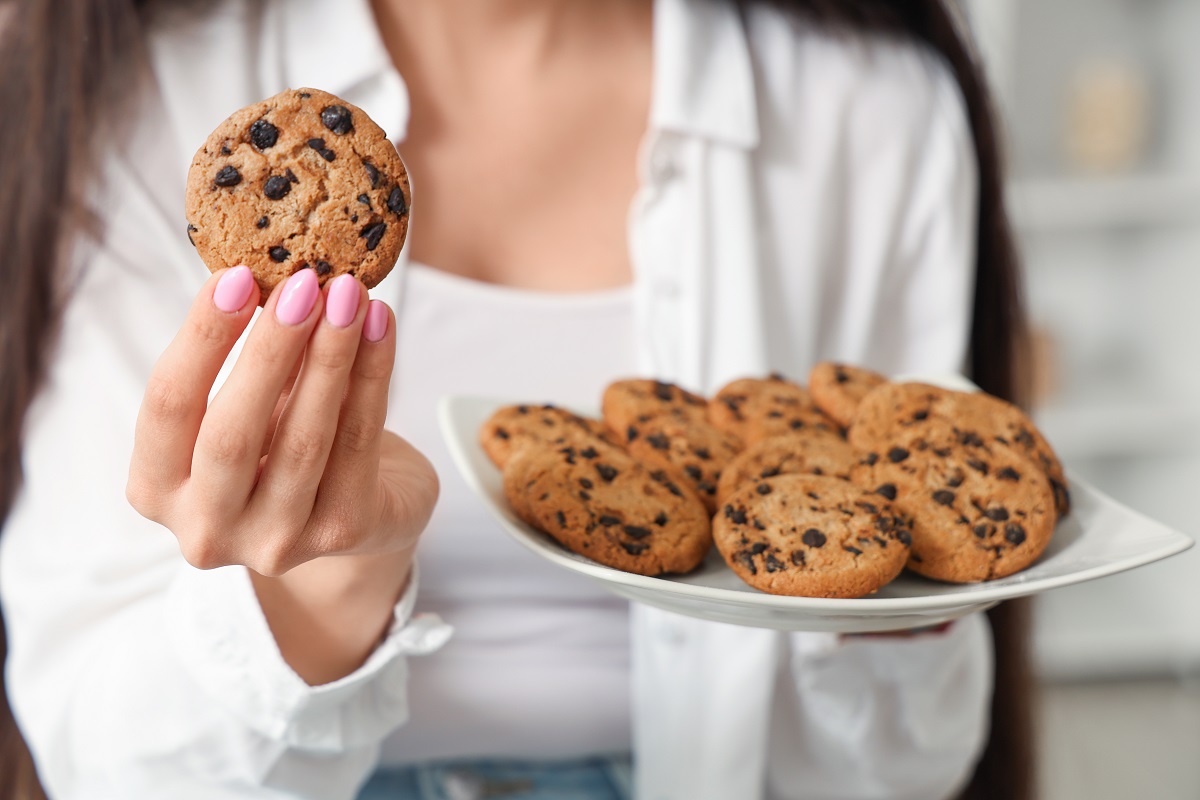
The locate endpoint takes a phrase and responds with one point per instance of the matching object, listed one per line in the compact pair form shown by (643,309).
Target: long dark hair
(62,62)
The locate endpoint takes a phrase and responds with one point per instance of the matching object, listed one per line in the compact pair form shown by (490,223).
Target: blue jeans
(597,778)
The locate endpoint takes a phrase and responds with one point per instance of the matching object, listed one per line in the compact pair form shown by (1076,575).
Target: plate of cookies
(852,503)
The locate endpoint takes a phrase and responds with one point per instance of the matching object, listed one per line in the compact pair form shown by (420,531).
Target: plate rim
(852,607)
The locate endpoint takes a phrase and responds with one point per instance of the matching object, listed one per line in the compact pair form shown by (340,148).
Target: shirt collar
(703,75)
(703,82)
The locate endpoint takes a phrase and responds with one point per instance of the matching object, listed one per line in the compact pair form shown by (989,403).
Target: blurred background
(1101,102)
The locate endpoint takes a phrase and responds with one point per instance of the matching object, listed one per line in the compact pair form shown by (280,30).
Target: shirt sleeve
(131,673)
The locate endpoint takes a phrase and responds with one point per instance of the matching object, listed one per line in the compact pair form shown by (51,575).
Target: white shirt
(802,197)
(538,666)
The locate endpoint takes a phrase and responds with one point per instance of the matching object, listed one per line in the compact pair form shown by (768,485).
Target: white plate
(1100,537)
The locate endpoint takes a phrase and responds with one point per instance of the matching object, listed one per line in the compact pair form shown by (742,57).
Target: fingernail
(233,290)
(297,297)
(341,306)
(375,327)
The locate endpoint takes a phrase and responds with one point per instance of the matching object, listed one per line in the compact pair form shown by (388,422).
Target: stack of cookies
(825,490)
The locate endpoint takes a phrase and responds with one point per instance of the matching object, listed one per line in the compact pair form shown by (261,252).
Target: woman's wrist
(329,614)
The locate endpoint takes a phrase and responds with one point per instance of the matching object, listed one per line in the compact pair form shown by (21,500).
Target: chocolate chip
(851,549)
(737,516)
(395,202)
(773,414)
(871,459)
(997,514)
(977,465)
(798,558)
(608,520)
(970,438)
(1024,438)
(631,433)
(324,268)
(365,199)
(943,497)
(747,561)
(588,452)
(190,230)
(304,95)
(661,519)
(635,548)
(373,234)
(905,538)
(839,376)
(562,519)
(759,525)
(372,174)
(262,222)
(606,472)
(870,508)
(813,538)
(763,488)
(1008,474)
(279,254)
(897,454)
(796,424)
(263,134)
(702,453)
(983,530)
(584,496)
(663,391)
(693,472)
(501,433)
(757,548)
(658,441)
(636,531)
(920,416)
(277,187)
(955,479)
(225,151)
(337,119)
(585,483)
(291,176)
(773,563)
(887,490)
(1014,533)
(227,176)
(769,472)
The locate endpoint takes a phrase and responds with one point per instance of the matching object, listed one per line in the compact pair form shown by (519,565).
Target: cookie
(837,389)
(693,452)
(754,409)
(638,400)
(608,507)
(812,536)
(302,179)
(980,510)
(895,409)
(811,453)
(512,427)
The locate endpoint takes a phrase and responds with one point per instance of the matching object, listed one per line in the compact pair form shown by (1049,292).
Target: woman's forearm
(328,614)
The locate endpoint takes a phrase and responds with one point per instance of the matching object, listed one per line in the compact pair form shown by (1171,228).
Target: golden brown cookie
(837,389)
(302,179)
(754,409)
(809,453)
(692,452)
(980,510)
(609,507)
(893,410)
(812,536)
(638,400)
(512,427)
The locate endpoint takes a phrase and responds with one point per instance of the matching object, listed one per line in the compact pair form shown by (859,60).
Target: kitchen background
(1101,100)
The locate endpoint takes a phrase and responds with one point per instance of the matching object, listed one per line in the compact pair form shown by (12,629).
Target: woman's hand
(289,465)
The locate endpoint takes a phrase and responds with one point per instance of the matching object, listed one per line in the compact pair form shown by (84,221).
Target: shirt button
(663,166)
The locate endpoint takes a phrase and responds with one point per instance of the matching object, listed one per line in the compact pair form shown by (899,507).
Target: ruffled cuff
(225,642)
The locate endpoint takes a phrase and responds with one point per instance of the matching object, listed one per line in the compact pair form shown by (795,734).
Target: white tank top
(539,663)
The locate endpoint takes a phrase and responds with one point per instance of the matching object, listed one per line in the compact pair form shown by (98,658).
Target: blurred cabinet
(1101,100)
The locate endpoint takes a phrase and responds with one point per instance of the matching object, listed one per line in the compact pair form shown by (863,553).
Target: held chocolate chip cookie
(302,179)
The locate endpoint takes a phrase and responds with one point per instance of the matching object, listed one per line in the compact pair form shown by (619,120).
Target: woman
(806,188)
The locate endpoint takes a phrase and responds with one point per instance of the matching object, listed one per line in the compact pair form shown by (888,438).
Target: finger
(353,464)
(177,391)
(227,451)
(281,404)
(306,428)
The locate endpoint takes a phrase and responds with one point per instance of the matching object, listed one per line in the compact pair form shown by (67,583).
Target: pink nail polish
(341,306)
(297,297)
(375,327)
(233,289)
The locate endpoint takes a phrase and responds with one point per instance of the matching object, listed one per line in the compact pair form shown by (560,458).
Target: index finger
(177,392)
